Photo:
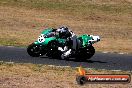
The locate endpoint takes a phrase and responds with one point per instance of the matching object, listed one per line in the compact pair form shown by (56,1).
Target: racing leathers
(71,38)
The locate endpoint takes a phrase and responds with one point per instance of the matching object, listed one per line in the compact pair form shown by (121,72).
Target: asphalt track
(100,60)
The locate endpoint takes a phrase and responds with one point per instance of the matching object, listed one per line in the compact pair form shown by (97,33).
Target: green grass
(11,42)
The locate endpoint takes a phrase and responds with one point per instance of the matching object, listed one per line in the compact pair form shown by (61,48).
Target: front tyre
(85,53)
(34,50)
(90,51)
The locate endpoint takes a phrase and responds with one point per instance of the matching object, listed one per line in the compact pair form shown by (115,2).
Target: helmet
(64,28)
(62,31)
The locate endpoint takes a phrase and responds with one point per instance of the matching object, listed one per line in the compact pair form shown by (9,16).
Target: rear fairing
(47,40)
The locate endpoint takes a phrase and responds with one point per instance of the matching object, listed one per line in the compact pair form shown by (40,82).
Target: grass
(21,21)
(31,76)
(74,5)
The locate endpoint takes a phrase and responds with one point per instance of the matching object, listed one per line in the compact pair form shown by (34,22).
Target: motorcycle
(48,43)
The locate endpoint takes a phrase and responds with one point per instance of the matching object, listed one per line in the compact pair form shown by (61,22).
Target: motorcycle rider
(71,39)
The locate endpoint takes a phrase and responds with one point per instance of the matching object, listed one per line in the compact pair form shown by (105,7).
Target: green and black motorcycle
(47,44)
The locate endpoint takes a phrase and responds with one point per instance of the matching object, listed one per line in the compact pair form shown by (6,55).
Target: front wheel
(34,50)
(85,53)
(90,51)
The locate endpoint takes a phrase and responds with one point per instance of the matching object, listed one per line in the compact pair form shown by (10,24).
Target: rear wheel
(34,50)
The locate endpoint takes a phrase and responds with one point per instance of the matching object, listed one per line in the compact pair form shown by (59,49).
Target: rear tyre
(34,50)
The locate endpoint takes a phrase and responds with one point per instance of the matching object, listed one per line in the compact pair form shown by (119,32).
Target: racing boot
(63,50)
(66,54)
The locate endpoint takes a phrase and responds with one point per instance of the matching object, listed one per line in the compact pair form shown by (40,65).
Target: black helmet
(62,31)
(64,27)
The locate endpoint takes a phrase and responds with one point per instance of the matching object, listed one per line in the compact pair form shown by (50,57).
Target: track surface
(99,60)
